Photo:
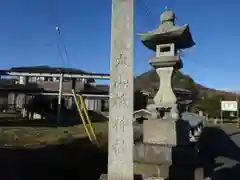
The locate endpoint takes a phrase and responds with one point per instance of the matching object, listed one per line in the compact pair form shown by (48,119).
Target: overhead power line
(59,34)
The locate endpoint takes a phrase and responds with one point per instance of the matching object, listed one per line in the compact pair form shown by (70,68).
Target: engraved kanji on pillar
(120,147)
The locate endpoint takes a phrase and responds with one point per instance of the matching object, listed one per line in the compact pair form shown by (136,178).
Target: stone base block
(166,132)
(136,177)
(154,178)
(199,174)
(151,170)
(159,132)
(152,154)
(158,154)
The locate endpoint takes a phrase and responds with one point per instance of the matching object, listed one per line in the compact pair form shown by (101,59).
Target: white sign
(229,106)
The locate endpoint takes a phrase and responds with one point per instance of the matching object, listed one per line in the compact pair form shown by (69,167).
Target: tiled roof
(47,69)
(51,87)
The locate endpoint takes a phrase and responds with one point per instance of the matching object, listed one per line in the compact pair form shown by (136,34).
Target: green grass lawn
(38,136)
(28,152)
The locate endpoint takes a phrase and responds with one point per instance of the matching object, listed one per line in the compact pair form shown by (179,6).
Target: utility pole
(120,144)
(59,99)
(238,120)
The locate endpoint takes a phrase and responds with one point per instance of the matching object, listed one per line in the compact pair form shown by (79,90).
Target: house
(45,80)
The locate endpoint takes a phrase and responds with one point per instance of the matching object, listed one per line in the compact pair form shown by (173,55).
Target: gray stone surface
(160,154)
(151,170)
(166,50)
(166,132)
(199,174)
(159,132)
(135,177)
(165,64)
(168,32)
(165,93)
(164,61)
(152,154)
(120,144)
(154,178)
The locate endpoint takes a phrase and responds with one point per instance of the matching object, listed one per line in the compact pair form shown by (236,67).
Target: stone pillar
(120,143)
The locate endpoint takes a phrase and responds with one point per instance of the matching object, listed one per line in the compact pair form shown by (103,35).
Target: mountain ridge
(208,98)
(150,78)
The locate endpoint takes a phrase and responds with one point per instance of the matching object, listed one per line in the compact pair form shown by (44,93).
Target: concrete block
(159,132)
(158,154)
(166,132)
(154,178)
(151,170)
(136,177)
(152,154)
(199,174)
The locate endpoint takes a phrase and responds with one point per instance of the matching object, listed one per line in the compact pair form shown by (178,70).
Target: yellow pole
(81,115)
(88,119)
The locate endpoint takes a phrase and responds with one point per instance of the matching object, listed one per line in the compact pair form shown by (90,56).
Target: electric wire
(58,42)
(63,43)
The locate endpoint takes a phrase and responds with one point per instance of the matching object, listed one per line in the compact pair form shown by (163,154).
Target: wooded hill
(208,99)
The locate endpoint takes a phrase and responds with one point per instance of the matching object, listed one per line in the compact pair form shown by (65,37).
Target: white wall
(93,104)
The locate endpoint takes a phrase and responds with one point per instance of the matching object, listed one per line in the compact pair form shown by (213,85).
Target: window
(165,49)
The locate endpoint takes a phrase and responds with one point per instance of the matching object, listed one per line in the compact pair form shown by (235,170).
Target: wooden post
(73,88)
(221,112)
(26,79)
(59,99)
(14,101)
(238,120)
(73,83)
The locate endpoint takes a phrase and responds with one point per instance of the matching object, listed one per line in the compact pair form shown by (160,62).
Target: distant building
(30,86)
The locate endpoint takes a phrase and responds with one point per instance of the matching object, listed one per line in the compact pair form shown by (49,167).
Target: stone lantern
(166,41)
(166,141)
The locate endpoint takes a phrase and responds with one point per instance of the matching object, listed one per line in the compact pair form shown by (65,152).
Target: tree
(211,105)
(185,82)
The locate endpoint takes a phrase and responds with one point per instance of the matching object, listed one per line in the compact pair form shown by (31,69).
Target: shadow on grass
(75,160)
(67,119)
(215,144)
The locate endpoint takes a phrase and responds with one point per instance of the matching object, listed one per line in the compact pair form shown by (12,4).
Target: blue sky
(28,36)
